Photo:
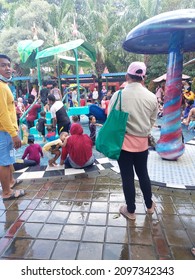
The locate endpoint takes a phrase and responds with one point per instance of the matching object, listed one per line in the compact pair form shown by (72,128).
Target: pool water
(44,160)
(188,135)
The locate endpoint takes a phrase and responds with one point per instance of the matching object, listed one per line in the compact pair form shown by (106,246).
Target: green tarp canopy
(71,61)
(78,44)
(27,50)
(26,47)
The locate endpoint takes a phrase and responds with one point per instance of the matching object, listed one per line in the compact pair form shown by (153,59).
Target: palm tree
(84,20)
(94,25)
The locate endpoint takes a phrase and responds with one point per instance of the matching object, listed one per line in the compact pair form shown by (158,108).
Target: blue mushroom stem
(170,145)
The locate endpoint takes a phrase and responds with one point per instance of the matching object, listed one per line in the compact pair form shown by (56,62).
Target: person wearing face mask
(9,139)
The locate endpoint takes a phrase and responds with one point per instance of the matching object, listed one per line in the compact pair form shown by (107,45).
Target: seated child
(51,135)
(52,149)
(189,104)
(192,122)
(75,119)
(40,126)
(33,151)
(92,128)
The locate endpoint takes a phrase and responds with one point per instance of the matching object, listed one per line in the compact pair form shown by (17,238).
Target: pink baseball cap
(137,68)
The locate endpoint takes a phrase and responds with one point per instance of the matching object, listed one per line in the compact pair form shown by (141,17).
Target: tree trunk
(100,69)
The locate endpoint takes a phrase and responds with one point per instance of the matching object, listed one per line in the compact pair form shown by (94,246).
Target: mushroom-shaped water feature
(173,33)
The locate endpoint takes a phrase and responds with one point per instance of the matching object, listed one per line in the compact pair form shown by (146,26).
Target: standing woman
(141,104)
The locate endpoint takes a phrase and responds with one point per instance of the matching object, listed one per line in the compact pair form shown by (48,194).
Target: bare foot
(53,165)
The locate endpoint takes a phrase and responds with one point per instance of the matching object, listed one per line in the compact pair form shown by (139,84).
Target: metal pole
(39,72)
(77,74)
(58,70)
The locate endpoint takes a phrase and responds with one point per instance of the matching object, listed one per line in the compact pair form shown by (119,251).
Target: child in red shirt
(51,135)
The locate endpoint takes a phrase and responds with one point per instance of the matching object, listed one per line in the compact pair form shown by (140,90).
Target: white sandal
(123,210)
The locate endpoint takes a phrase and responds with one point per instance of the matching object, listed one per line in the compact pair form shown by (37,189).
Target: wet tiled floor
(77,218)
(170,174)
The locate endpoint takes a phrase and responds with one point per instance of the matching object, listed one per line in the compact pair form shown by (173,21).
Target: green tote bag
(111,135)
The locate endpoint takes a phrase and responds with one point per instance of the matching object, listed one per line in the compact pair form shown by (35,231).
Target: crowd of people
(50,100)
(75,148)
(187,105)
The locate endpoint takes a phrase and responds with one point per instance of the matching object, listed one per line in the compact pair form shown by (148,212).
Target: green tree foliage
(103,23)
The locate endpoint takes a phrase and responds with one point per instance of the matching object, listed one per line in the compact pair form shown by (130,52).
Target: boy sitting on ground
(52,149)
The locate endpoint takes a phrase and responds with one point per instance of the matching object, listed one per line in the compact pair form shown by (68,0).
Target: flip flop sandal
(14,195)
(124,212)
(17,182)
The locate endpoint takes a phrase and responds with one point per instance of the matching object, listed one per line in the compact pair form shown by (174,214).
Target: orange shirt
(133,143)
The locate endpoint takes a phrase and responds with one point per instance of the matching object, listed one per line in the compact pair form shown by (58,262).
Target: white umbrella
(163,78)
(192,61)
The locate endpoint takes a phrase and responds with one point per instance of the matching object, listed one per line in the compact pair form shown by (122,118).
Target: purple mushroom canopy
(153,36)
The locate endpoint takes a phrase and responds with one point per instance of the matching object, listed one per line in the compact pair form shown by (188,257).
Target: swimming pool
(44,160)
(188,135)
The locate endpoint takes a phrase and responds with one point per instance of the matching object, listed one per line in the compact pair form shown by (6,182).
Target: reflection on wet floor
(78,219)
